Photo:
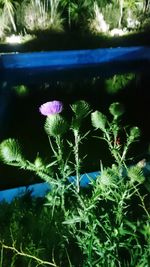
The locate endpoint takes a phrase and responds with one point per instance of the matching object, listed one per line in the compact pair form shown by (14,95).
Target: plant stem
(1,259)
(21,253)
(121,206)
(142,201)
(60,156)
(125,150)
(112,149)
(77,160)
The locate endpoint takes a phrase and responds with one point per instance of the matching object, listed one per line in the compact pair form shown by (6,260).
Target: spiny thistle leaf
(99,120)
(55,125)
(135,173)
(81,109)
(10,151)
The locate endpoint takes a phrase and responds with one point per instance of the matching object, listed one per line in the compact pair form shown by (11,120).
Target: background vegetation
(20,17)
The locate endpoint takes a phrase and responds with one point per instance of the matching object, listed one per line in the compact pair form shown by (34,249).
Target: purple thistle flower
(51,108)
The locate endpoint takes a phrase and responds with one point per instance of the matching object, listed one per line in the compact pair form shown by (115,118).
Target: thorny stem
(112,148)
(60,155)
(121,207)
(125,150)
(51,145)
(77,160)
(27,165)
(21,253)
(142,201)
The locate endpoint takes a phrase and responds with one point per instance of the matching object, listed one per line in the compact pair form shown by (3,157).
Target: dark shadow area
(46,41)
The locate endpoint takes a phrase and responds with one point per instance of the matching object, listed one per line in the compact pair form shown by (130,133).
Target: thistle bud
(10,151)
(135,173)
(55,125)
(38,162)
(116,109)
(81,109)
(134,133)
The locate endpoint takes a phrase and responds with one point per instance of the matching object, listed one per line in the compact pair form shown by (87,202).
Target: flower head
(51,108)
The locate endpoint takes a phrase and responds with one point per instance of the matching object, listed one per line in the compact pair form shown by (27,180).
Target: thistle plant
(103,220)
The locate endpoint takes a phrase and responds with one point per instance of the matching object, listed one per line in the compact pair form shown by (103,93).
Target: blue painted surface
(40,190)
(28,68)
(72,59)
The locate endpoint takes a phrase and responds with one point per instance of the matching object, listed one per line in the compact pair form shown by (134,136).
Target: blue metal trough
(25,67)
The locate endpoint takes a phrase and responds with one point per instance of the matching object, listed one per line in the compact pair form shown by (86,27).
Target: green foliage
(21,90)
(79,11)
(40,15)
(118,82)
(4,24)
(97,23)
(86,15)
(111,14)
(9,11)
(29,227)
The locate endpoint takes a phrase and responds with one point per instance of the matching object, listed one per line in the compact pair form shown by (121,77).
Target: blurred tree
(78,11)
(121,5)
(146,5)
(9,9)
